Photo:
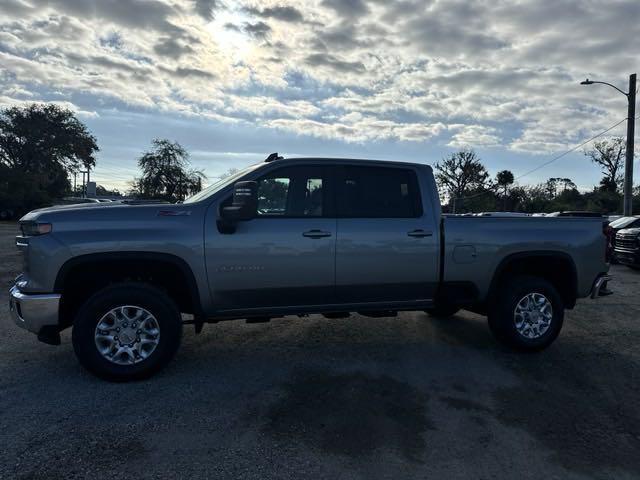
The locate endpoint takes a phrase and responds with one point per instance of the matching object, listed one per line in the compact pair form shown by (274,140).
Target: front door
(387,249)
(285,256)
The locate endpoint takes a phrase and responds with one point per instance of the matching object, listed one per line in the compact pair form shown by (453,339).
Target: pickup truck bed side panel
(475,246)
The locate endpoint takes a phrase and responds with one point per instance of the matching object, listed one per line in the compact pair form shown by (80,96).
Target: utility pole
(84,184)
(627,204)
(628,163)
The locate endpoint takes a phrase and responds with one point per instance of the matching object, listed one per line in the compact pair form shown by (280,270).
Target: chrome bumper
(33,312)
(598,284)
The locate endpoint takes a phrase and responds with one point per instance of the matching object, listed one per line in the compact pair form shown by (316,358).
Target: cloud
(473,136)
(347,8)
(441,72)
(172,48)
(257,29)
(334,63)
(283,13)
(206,8)
(129,13)
(186,72)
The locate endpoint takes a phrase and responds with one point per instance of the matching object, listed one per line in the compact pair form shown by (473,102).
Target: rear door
(285,256)
(387,248)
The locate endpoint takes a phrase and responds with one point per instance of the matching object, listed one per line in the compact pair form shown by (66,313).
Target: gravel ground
(405,397)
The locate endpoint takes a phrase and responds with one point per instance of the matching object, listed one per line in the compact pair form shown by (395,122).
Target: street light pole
(628,164)
(627,204)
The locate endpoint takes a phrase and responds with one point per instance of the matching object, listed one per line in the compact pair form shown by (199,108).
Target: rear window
(378,192)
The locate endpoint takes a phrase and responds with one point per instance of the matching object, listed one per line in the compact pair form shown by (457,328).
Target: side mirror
(245,202)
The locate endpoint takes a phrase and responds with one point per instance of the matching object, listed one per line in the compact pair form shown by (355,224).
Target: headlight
(32,229)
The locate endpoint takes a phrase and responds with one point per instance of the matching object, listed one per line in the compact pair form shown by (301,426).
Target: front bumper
(34,312)
(627,257)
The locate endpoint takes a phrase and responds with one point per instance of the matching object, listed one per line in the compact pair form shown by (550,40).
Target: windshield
(219,185)
(623,222)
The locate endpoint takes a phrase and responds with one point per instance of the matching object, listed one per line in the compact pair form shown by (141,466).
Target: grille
(627,242)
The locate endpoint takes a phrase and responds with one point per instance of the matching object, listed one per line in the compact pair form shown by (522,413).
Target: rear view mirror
(245,202)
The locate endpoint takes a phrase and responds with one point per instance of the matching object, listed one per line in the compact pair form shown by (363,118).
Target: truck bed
(474,247)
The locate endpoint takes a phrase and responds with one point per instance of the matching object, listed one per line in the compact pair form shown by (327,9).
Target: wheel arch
(556,267)
(84,274)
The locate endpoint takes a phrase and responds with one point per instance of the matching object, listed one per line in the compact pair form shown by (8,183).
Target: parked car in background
(627,247)
(615,226)
(575,213)
(293,237)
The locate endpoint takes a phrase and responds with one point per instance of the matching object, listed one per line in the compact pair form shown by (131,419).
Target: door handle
(419,233)
(316,234)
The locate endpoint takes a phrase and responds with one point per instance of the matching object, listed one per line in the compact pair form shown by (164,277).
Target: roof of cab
(341,160)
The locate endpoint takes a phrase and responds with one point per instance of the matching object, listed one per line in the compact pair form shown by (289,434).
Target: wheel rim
(533,315)
(127,335)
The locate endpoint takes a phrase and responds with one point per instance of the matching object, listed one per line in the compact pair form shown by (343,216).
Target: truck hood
(101,211)
(630,231)
(33,214)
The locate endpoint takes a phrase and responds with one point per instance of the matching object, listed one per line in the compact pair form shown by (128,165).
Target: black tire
(502,313)
(445,310)
(153,300)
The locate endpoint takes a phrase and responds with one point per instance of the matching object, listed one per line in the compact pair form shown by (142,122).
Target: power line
(573,149)
(558,157)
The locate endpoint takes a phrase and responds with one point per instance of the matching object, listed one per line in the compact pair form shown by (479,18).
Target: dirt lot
(405,397)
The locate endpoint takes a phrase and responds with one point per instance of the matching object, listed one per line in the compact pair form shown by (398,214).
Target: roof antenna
(273,156)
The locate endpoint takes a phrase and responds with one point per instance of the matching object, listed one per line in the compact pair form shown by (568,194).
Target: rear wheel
(126,332)
(528,313)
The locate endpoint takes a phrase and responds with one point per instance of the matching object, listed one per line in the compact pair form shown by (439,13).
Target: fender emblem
(240,268)
(174,213)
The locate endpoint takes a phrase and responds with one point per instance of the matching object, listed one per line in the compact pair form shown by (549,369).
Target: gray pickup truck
(292,237)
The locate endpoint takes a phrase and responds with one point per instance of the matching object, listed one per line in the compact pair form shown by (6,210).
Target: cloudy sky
(407,80)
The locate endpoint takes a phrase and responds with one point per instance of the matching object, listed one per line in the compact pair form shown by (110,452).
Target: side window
(378,192)
(292,192)
(272,196)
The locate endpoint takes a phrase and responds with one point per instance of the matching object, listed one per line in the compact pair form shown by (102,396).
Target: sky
(412,80)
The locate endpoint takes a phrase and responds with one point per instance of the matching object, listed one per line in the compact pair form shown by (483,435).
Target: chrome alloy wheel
(533,315)
(126,335)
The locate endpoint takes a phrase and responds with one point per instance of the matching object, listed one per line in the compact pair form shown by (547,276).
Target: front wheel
(126,332)
(527,314)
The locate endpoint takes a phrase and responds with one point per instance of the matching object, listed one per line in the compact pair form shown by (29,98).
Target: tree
(228,173)
(40,145)
(166,174)
(554,183)
(504,179)
(609,156)
(105,192)
(460,173)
